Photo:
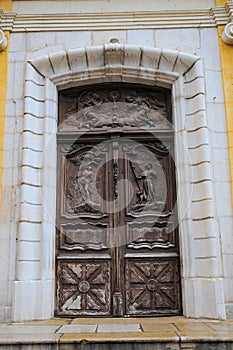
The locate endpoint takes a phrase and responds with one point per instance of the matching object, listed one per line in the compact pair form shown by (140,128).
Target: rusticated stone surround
(199,238)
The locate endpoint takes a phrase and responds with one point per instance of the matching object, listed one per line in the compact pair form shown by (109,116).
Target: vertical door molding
(199,238)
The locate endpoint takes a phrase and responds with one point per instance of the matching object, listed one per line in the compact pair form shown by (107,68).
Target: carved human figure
(148,191)
(86,183)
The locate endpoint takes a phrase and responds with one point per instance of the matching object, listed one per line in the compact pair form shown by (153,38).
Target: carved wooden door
(117,240)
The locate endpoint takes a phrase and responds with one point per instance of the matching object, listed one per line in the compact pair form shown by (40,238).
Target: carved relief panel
(114,106)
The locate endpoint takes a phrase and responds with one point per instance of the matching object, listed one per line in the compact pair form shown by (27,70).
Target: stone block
(207,298)
(28,270)
(228,265)
(33,124)
(197,70)
(25,294)
(34,107)
(205,228)
(185,39)
(3,292)
(113,54)
(205,247)
(200,173)
(11,80)
(39,40)
(42,65)
(184,62)
(10,114)
(194,87)
(30,213)
(30,231)
(51,93)
(209,50)
(150,57)
(207,267)
(201,190)
(31,194)
(229,312)
(216,117)
(214,92)
(33,141)
(29,251)
(219,140)
(18,42)
(203,209)
(73,39)
(168,60)
(32,158)
(196,121)
(199,155)
(221,168)
(35,91)
(226,229)
(31,176)
(95,56)
(104,37)
(223,199)
(220,155)
(50,110)
(77,59)
(81,328)
(18,87)
(195,105)
(112,328)
(32,74)
(132,56)
(142,37)
(59,62)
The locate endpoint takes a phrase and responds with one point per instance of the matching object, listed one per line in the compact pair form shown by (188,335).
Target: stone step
(172,333)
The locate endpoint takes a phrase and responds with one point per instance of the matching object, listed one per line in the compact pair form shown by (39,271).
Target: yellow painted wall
(6,5)
(226,52)
(220,2)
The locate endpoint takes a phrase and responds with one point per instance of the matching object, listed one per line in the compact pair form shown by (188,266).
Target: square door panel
(83,287)
(152,286)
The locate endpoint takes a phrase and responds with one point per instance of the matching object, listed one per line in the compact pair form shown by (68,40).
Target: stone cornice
(106,21)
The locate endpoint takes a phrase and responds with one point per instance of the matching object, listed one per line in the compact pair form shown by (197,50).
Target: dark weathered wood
(117,240)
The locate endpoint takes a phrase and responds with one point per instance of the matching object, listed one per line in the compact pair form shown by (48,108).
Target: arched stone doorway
(180,72)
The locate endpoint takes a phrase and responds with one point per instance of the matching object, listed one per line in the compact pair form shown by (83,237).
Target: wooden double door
(117,235)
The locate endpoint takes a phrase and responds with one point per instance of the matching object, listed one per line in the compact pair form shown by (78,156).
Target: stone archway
(183,74)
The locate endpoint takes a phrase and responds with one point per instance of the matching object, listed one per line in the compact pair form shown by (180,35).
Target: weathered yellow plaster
(220,2)
(3,88)
(6,5)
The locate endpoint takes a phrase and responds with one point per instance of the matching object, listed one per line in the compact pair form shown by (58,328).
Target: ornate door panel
(117,235)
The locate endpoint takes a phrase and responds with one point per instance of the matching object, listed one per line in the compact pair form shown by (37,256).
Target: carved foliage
(152,287)
(83,288)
